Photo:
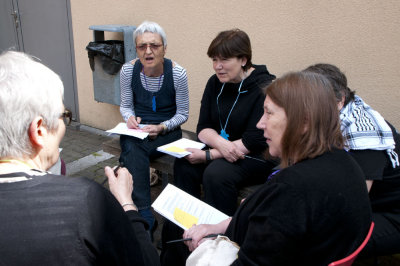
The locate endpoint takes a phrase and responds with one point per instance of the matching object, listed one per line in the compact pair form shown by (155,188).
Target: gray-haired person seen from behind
(375,144)
(154,93)
(49,219)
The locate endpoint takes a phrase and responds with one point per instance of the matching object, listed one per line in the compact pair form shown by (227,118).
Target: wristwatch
(208,155)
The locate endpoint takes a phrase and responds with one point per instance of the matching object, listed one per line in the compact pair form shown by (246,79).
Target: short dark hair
(231,43)
(337,78)
(313,124)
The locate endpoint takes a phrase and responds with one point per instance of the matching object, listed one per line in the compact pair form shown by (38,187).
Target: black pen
(121,164)
(189,239)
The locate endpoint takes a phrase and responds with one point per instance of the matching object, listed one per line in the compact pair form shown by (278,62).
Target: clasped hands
(225,149)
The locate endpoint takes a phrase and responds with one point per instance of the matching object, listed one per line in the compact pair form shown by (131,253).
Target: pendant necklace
(223,132)
(153,101)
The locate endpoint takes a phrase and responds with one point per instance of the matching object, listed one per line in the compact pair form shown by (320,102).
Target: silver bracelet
(126,204)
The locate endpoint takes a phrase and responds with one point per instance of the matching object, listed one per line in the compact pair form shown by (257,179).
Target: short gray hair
(149,26)
(28,89)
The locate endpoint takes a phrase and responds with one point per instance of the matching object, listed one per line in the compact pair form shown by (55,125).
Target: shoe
(159,245)
(153,229)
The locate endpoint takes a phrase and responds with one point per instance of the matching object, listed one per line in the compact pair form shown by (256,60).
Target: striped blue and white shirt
(153,84)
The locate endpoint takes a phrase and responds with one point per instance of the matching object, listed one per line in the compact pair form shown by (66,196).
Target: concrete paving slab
(87,161)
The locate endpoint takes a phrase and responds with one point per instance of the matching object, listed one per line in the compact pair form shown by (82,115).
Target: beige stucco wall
(361,37)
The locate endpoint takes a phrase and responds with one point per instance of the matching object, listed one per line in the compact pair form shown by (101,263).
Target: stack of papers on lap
(122,129)
(185,210)
(177,148)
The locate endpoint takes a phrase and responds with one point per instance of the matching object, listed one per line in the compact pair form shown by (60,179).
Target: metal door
(42,28)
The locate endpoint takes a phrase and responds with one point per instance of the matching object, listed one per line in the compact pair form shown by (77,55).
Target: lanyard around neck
(153,101)
(223,129)
(17,162)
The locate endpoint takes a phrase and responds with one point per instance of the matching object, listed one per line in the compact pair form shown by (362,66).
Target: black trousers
(221,179)
(174,253)
(385,239)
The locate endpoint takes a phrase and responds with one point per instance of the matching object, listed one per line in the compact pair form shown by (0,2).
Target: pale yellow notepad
(178,147)
(185,210)
(186,219)
(175,149)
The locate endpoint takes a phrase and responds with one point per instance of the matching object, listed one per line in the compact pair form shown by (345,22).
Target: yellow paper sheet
(175,149)
(186,219)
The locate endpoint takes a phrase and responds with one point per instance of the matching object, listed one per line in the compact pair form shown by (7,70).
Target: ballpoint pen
(189,239)
(254,158)
(121,164)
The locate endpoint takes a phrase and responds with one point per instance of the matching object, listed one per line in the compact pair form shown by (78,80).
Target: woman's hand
(197,233)
(197,156)
(133,122)
(121,186)
(229,151)
(153,130)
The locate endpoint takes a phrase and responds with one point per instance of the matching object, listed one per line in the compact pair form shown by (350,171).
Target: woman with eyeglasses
(47,219)
(154,94)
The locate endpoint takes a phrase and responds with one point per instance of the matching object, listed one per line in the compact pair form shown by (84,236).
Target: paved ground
(83,155)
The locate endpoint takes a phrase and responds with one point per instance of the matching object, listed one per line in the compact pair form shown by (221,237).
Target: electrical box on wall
(106,73)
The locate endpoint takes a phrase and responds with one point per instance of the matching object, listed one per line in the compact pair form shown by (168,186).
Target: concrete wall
(362,37)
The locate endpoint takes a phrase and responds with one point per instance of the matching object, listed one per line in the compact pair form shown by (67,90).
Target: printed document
(122,129)
(178,147)
(185,210)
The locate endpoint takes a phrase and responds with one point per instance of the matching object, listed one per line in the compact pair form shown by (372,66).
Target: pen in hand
(189,239)
(121,164)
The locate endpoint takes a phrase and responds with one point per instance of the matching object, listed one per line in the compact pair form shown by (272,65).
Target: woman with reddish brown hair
(315,210)
(298,141)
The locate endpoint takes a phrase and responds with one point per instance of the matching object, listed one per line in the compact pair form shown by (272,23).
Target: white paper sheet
(172,197)
(122,129)
(182,143)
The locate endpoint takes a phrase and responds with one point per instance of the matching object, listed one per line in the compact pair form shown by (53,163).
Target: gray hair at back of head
(28,89)
(153,27)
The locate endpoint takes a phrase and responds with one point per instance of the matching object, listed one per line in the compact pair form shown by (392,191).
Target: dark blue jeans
(136,155)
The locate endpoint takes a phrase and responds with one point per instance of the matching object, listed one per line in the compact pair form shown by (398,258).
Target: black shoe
(153,229)
(159,245)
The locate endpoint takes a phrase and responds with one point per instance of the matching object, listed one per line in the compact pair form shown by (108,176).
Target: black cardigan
(56,220)
(246,113)
(312,213)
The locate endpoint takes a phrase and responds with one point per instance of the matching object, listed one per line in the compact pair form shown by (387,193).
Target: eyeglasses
(143,47)
(67,116)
